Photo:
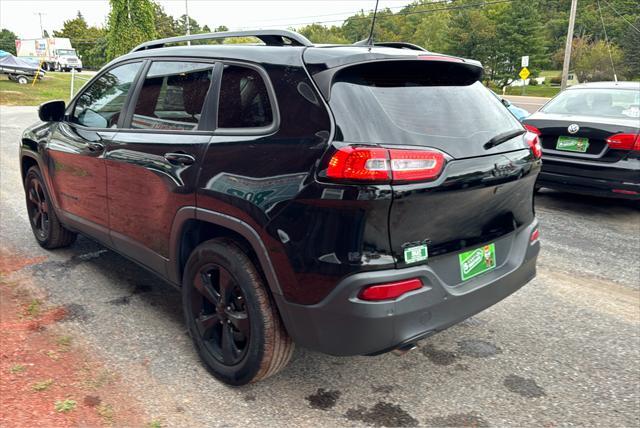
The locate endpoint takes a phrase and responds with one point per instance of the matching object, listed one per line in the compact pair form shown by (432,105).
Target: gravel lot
(562,351)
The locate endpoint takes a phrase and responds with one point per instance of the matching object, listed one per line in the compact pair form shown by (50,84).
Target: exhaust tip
(400,351)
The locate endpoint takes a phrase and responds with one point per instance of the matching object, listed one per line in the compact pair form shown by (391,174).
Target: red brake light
(359,163)
(535,236)
(383,165)
(624,142)
(534,143)
(533,129)
(390,291)
(440,58)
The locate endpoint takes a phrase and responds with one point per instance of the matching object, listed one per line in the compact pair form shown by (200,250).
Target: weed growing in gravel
(42,386)
(105,411)
(18,368)
(33,310)
(53,355)
(65,406)
(154,424)
(64,343)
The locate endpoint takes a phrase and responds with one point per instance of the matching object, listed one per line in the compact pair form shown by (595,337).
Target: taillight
(389,291)
(534,143)
(624,142)
(535,236)
(384,165)
(533,129)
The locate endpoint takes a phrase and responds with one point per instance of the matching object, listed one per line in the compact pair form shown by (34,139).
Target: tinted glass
(244,101)
(100,104)
(415,104)
(172,96)
(618,103)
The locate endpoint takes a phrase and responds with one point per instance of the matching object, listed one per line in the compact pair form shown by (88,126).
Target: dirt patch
(12,262)
(46,379)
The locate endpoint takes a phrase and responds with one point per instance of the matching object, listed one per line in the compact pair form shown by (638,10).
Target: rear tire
(23,80)
(44,222)
(230,316)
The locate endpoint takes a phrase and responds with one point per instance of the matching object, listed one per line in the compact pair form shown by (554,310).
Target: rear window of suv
(415,103)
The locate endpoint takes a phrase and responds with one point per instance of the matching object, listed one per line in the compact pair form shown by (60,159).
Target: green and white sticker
(572,144)
(475,262)
(416,254)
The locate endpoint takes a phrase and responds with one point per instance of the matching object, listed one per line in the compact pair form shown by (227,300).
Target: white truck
(55,53)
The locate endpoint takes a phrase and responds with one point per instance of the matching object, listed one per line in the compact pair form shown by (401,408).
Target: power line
(620,15)
(606,41)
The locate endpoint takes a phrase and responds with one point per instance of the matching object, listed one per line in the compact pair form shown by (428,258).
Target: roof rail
(399,45)
(269,37)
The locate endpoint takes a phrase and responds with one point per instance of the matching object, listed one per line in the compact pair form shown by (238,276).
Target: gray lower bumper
(342,324)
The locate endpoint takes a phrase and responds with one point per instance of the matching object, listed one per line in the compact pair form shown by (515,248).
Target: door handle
(95,147)
(179,158)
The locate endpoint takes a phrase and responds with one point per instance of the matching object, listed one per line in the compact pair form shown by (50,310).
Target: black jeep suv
(351,199)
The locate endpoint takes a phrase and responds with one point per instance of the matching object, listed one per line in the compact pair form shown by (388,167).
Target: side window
(244,100)
(172,96)
(100,104)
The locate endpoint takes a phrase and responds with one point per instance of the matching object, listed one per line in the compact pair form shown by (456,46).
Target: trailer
(55,53)
(19,70)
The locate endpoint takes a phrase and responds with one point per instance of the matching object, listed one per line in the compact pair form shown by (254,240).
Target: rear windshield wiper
(503,138)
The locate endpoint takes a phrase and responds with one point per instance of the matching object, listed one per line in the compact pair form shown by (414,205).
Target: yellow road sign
(524,73)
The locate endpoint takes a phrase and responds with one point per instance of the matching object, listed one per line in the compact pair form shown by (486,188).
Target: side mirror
(506,102)
(52,111)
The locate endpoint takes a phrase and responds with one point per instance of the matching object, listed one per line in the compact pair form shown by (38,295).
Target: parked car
(590,136)
(520,113)
(351,199)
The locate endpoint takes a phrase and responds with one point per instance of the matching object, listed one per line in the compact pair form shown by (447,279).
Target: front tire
(232,321)
(44,222)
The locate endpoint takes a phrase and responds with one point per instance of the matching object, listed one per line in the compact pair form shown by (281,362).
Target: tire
(44,222)
(224,296)
(57,67)
(23,80)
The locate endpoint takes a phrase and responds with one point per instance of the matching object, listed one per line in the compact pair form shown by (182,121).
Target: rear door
(152,164)
(75,152)
(483,193)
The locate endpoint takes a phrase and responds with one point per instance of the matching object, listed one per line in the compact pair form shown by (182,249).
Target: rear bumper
(590,186)
(343,324)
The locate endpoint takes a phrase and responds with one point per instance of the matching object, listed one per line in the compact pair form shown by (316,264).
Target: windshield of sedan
(617,103)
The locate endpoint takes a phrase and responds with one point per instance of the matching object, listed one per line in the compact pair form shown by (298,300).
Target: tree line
(496,32)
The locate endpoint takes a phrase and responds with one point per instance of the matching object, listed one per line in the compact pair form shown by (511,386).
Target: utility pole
(188,21)
(567,48)
(40,15)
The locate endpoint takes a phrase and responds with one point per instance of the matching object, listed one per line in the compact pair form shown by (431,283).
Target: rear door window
(244,99)
(172,96)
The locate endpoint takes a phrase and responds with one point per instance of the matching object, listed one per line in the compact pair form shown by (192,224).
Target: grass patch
(154,424)
(65,406)
(55,86)
(42,386)
(17,368)
(105,411)
(534,91)
(64,343)
(103,378)
(33,310)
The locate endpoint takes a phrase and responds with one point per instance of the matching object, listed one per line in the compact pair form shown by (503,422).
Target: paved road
(530,104)
(562,351)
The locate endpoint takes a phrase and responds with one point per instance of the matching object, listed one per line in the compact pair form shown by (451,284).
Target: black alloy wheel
(220,314)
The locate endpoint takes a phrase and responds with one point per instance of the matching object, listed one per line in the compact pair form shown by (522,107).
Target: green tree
(165,25)
(630,43)
(8,41)
(320,34)
(130,23)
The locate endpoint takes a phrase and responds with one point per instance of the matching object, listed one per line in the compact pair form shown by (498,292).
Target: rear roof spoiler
(398,45)
(269,37)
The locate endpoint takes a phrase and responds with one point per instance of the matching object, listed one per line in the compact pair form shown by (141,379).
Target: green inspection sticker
(572,144)
(416,254)
(475,262)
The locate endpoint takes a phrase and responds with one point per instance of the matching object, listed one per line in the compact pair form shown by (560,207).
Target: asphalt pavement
(530,104)
(564,350)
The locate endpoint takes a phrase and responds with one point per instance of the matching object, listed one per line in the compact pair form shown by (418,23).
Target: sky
(21,16)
